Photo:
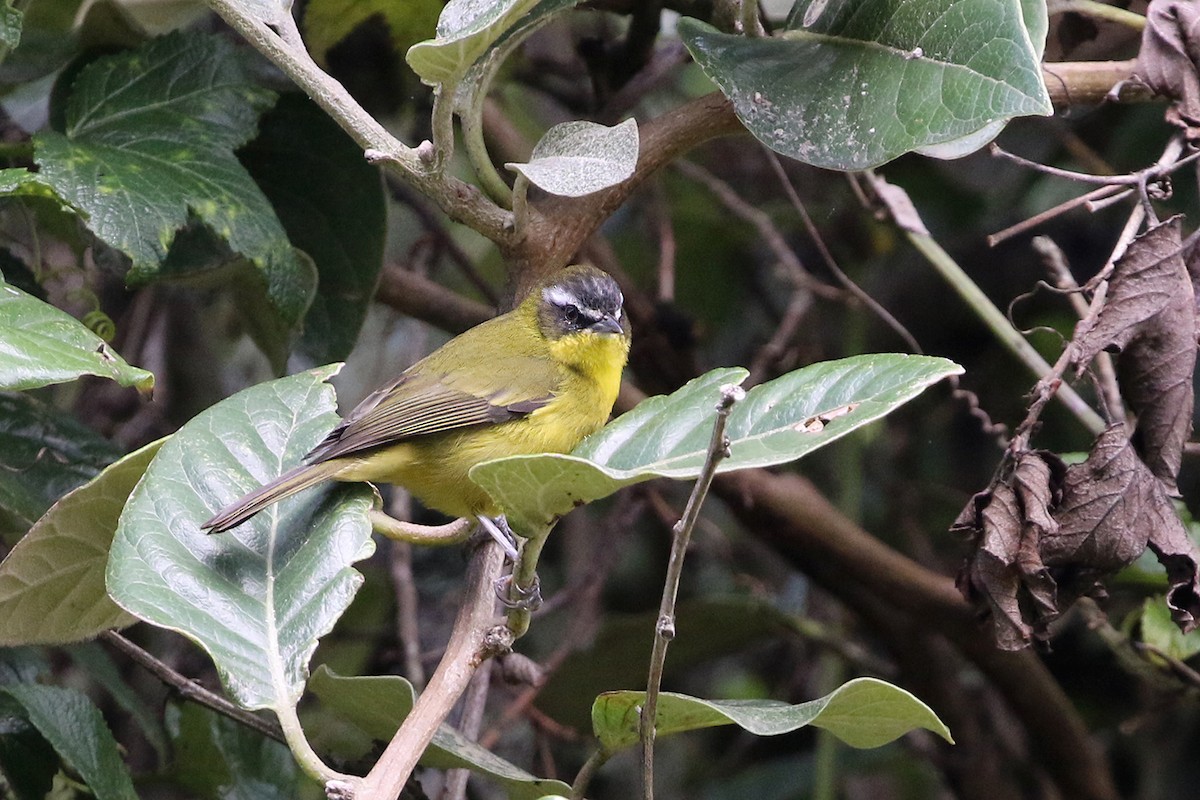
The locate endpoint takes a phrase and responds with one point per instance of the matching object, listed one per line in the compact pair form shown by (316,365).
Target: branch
(560,229)
(460,201)
(429,301)
(471,643)
(190,690)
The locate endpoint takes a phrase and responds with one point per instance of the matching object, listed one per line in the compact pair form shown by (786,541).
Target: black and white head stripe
(585,299)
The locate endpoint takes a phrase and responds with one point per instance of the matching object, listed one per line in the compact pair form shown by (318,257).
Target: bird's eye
(571,313)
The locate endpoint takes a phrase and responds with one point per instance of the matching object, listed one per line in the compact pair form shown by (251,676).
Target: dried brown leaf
(1149,317)
(1169,58)
(1006,571)
(1048,533)
(1112,508)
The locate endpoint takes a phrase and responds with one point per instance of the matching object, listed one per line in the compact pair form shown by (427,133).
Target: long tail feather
(285,485)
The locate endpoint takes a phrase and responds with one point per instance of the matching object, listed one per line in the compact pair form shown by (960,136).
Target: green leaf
(864,82)
(10,25)
(44,453)
(52,582)
(465,31)
(144,711)
(378,704)
(864,712)
(148,146)
(577,158)
(256,598)
(75,728)
(668,437)
(328,22)
(41,345)
(259,768)
(707,628)
(332,204)
(1159,631)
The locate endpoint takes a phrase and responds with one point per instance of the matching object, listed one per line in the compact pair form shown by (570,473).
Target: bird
(537,379)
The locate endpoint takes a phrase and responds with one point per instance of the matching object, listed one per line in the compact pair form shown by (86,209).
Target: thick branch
(554,235)
(788,512)
(468,647)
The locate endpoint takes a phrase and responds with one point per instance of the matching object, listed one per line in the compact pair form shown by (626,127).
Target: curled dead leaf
(1005,574)
(1169,60)
(1046,535)
(1149,318)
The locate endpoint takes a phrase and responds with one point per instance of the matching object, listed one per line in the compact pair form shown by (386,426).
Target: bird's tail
(285,485)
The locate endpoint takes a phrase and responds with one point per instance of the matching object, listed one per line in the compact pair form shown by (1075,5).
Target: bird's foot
(525,600)
(498,529)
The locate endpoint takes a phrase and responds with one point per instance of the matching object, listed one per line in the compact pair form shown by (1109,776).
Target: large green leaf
(44,453)
(148,145)
(864,712)
(378,704)
(76,729)
(52,582)
(577,158)
(852,84)
(41,345)
(668,436)
(256,598)
(331,203)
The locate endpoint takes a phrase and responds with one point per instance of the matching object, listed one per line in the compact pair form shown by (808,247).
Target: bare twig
(190,690)
(718,449)
(455,532)
(1056,264)
(1089,200)
(830,262)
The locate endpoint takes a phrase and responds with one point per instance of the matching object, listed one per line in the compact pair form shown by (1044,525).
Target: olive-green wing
(417,404)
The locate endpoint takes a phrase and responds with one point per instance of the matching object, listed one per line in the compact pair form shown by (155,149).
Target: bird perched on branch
(534,380)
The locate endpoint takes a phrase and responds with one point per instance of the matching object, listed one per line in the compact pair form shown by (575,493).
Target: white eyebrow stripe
(559,296)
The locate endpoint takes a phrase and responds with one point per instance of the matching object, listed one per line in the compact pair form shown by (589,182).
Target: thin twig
(830,262)
(1104,193)
(1056,264)
(455,532)
(190,690)
(763,223)
(718,449)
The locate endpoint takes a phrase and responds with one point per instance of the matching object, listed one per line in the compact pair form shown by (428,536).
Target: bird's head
(580,300)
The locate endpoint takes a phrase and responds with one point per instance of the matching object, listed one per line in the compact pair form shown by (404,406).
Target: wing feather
(418,404)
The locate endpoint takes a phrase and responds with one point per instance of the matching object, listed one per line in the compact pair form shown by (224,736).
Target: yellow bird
(535,380)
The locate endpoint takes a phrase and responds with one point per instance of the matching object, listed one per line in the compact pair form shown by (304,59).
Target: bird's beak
(607,324)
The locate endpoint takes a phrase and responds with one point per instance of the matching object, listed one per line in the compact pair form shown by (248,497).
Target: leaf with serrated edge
(864,712)
(668,436)
(378,704)
(149,145)
(855,84)
(577,158)
(41,345)
(52,582)
(77,731)
(256,598)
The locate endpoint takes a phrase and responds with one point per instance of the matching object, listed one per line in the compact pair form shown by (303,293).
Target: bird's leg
(526,599)
(497,528)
